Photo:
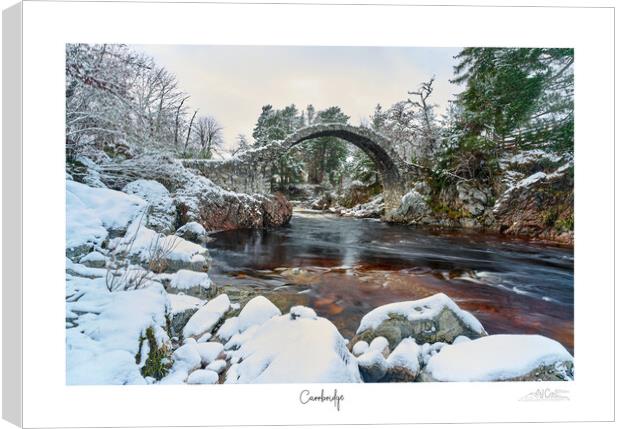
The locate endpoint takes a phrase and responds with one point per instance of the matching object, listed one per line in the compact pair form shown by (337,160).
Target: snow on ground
(534,155)
(102,345)
(114,210)
(495,357)
(205,319)
(84,227)
(143,243)
(426,308)
(162,211)
(293,349)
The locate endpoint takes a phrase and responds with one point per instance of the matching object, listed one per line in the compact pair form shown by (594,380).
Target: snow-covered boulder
(229,328)
(501,358)
(209,351)
(162,253)
(205,319)
(296,347)
(257,311)
(162,212)
(94,260)
(193,231)
(183,308)
(203,376)
(428,320)
(372,363)
(191,283)
(360,348)
(403,362)
(187,357)
(372,366)
(218,365)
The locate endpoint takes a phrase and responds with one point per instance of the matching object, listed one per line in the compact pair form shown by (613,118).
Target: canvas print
(318,214)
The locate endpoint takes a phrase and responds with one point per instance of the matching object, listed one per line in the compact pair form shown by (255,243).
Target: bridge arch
(376,146)
(246,171)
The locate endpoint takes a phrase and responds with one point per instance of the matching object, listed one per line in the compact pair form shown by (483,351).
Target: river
(345,267)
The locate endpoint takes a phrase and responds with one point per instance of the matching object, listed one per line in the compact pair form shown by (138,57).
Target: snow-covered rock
(162,211)
(403,362)
(500,358)
(372,365)
(539,205)
(218,365)
(169,253)
(116,210)
(93,214)
(432,319)
(293,349)
(203,376)
(94,260)
(183,308)
(257,311)
(187,357)
(360,348)
(205,319)
(381,345)
(209,351)
(182,302)
(413,207)
(372,209)
(191,282)
(193,231)
(229,328)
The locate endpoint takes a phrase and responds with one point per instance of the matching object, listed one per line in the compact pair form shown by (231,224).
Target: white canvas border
(48,26)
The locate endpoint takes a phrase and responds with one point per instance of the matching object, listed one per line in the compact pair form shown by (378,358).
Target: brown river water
(345,267)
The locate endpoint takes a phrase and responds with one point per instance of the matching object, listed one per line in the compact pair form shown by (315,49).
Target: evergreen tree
(324,155)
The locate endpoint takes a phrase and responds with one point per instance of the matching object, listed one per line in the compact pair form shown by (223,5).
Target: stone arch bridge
(248,171)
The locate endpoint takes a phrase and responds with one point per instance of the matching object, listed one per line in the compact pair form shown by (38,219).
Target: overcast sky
(232,83)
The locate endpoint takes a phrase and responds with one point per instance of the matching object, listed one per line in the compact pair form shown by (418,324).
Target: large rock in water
(501,358)
(428,320)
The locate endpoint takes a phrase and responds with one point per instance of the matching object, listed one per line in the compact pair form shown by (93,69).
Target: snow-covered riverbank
(142,309)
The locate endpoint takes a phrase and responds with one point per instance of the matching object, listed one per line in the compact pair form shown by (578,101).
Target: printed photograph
(318,214)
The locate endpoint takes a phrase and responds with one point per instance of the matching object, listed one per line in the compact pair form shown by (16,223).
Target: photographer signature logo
(307,397)
(542,395)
